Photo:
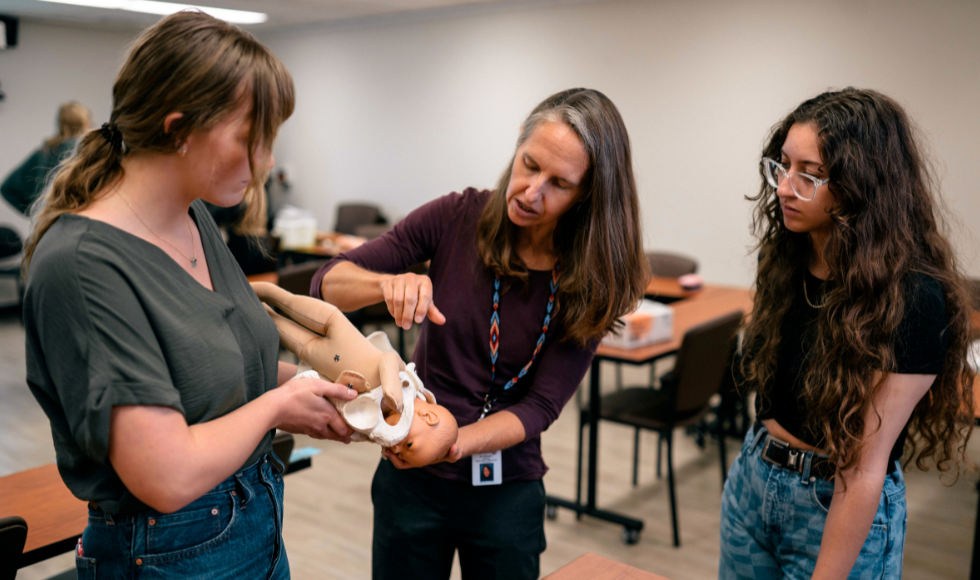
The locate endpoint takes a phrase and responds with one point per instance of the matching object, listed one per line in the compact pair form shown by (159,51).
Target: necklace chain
(192,258)
(812,305)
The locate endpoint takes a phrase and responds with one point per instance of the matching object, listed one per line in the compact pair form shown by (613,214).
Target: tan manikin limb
(342,348)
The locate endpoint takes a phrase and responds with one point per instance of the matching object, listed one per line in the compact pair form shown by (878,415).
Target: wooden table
(592,567)
(270,277)
(55,518)
(699,307)
(667,288)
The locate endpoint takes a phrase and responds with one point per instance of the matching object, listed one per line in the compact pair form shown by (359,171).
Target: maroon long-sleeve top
(453,360)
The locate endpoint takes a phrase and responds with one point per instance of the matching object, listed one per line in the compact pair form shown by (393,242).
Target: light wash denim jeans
(772,522)
(233,532)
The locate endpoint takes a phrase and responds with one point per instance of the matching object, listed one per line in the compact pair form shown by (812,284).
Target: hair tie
(111,134)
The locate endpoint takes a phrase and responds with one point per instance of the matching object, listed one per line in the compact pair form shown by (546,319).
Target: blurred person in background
(25,183)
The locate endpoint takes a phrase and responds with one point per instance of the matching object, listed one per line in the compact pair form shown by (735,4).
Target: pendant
(193,262)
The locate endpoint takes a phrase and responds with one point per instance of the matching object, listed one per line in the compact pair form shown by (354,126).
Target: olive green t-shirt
(112,320)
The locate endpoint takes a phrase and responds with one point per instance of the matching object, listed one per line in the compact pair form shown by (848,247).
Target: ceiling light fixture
(164,8)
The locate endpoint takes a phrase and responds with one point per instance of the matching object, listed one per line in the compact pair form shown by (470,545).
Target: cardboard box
(651,322)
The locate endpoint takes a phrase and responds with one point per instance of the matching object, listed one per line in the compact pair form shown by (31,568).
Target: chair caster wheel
(631,536)
(551,512)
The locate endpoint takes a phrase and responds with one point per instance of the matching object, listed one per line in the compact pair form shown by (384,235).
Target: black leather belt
(781,453)
(784,455)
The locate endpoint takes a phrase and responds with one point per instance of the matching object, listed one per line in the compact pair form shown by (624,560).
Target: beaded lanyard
(495,337)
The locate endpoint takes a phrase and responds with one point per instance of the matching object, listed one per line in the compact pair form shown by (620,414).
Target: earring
(182,150)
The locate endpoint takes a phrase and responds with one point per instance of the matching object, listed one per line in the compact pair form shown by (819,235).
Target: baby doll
(393,409)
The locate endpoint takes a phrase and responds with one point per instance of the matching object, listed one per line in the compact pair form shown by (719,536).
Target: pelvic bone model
(393,409)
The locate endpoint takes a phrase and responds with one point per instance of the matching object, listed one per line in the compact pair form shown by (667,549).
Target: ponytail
(95,166)
(188,62)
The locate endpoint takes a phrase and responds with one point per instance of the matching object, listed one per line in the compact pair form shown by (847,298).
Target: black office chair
(11,254)
(662,265)
(352,215)
(670,265)
(682,400)
(13,536)
(973,287)
(372,231)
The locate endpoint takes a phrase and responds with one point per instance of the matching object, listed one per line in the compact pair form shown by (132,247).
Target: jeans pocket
(190,531)
(822,493)
(85,568)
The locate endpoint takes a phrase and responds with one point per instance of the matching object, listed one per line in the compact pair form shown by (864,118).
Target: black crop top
(921,342)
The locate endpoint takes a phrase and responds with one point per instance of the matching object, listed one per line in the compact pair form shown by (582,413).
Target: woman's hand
(303,408)
(452,456)
(409,299)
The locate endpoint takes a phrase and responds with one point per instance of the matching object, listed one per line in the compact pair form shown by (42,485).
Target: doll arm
(314,314)
(391,383)
(293,337)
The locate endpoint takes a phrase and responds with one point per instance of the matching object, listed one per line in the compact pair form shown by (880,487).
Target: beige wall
(400,112)
(51,65)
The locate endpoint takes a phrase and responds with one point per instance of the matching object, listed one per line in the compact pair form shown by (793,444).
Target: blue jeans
(772,522)
(234,532)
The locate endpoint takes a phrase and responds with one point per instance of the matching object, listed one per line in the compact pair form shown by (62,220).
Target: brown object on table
(592,567)
(706,304)
(55,518)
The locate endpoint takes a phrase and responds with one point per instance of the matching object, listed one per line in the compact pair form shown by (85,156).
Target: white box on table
(651,322)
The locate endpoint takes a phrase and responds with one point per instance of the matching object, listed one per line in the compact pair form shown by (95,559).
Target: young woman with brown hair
(527,278)
(153,359)
(857,344)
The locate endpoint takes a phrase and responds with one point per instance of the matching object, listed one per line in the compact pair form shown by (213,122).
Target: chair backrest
(702,360)
(13,535)
(351,215)
(10,242)
(298,278)
(668,265)
(973,286)
(282,445)
(372,231)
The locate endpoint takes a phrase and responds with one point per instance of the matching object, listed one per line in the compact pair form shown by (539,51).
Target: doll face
(432,433)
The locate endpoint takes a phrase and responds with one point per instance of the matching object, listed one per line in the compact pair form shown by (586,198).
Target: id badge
(487,468)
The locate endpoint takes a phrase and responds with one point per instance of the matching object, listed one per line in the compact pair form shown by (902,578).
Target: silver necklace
(812,305)
(192,258)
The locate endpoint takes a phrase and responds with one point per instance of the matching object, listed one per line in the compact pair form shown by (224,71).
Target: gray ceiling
(282,13)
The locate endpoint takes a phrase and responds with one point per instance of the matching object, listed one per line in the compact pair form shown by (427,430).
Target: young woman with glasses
(857,344)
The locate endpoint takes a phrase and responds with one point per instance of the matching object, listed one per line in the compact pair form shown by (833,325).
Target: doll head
(432,433)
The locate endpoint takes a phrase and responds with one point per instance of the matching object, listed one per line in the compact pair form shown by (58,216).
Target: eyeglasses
(803,185)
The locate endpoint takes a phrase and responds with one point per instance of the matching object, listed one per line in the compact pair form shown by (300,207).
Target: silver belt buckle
(794,462)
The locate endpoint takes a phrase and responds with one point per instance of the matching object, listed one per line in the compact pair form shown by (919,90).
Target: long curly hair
(604,269)
(885,225)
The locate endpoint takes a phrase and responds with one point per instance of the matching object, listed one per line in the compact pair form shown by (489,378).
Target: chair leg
(660,441)
(636,453)
(670,486)
(578,478)
(723,453)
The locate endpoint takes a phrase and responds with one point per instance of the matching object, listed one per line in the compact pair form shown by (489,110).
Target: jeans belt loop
(760,434)
(277,463)
(108,518)
(243,489)
(805,472)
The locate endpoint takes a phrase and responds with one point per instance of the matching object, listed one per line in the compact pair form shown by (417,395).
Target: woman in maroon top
(527,278)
